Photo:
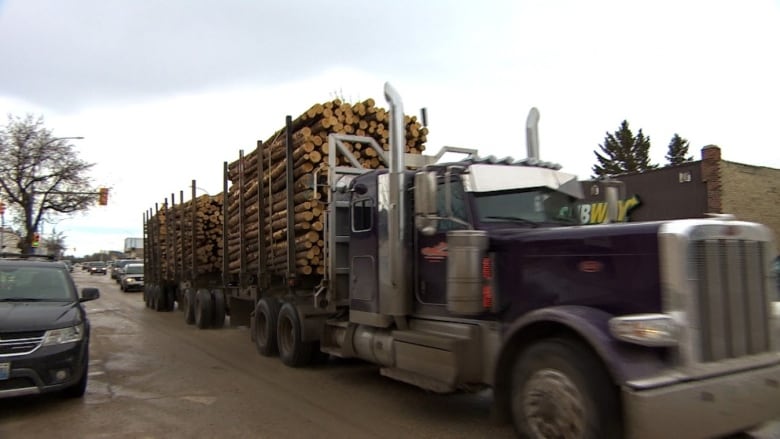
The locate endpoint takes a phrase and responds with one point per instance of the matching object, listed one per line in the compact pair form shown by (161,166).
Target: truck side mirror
(425,202)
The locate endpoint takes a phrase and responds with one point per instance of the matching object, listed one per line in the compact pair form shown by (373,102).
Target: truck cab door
(431,254)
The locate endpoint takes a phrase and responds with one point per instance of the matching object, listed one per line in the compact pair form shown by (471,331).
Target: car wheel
(560,389)
(266,315)
(77,390)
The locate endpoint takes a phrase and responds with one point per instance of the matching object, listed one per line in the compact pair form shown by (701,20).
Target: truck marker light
(590,266)
(487,288)
(645,329)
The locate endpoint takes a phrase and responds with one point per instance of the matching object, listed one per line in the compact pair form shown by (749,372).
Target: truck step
(430,339)
(415,379)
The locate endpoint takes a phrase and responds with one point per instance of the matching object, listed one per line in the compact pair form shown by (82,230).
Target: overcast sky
(166,91)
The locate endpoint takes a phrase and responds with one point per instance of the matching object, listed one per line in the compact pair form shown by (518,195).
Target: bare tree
(40,175)
(55,244)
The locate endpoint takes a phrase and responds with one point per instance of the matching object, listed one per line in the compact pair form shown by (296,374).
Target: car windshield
(530,207)
(134,269)
(34,284)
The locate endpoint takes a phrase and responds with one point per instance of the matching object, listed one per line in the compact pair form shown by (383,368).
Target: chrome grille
(733,304)
(19,344)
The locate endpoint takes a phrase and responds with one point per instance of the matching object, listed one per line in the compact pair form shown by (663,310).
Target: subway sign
(596,213)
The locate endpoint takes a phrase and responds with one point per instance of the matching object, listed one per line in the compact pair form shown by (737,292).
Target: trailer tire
(204,308)
(218,299)
(189,305)
(266,320)
(170,298)
(560,389)
(161,299)
(154,298)
(147,290)
(293,351)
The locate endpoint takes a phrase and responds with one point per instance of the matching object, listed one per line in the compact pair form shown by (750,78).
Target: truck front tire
(561,389)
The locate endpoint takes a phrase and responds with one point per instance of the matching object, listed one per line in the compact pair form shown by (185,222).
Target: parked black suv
(44,331)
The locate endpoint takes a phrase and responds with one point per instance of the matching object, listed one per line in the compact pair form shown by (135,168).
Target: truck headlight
(129,280)
(645,329)
(64,335)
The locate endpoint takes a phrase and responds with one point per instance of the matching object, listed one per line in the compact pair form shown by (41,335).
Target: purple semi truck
(477,274)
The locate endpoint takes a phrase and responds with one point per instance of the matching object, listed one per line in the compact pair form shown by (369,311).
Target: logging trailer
(475,274)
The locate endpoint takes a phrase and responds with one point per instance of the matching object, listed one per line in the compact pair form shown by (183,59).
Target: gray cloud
(71,54)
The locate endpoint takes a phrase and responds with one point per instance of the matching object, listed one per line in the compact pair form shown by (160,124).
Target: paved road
(152,376)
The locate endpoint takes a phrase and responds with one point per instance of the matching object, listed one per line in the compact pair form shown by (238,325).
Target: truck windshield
(531,207)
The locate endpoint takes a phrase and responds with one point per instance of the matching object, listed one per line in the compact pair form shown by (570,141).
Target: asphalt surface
(152,376)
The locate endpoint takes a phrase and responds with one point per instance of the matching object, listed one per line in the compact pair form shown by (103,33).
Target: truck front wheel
(561,389)
(293,351)
(266,315)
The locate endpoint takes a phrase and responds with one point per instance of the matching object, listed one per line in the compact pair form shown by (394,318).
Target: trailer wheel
(561,389)
(161,299)
(266,320)
(189,305)
(170,298)
(218,299)
(293,351)
(155,298)
(203,308)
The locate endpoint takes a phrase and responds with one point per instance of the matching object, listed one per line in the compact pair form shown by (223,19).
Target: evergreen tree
(678,151)
(623,153)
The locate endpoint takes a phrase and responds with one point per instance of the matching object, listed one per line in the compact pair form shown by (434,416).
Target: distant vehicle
(98,267)
(132,278)
(118,268)
(69,264)
(44,330)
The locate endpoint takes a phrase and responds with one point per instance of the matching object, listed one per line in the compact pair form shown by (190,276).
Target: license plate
(5,370)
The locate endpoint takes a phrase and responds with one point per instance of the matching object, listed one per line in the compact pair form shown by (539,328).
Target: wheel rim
(553,406)
(286,337)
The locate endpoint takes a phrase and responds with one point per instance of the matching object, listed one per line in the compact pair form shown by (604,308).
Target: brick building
(693,189)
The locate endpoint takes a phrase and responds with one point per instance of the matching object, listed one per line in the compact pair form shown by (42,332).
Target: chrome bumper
(704,408)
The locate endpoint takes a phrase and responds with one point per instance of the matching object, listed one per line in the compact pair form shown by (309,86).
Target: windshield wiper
(514,218)
(21,299)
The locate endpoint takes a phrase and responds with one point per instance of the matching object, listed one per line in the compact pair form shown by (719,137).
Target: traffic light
(103,196)
(36,240)
(2,208)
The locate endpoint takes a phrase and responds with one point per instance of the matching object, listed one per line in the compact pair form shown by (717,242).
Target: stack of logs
(310,151)
(178,251)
